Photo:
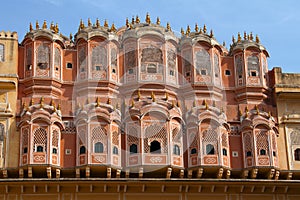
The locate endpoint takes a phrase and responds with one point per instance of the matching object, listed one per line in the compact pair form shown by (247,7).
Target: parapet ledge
(8,35)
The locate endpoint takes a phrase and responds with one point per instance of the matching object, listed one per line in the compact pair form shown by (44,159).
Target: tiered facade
(141,102)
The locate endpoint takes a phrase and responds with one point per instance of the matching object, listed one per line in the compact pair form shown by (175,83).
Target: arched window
(98,148)
(115,151)
(82,150)
(176,150)
(193,151)
(262,152)
(54,150)
(2,53)
(155,147)
(248,154)
(25,150)
(224,152)
(133,149)
(210,150)
(39,149)
(297,154)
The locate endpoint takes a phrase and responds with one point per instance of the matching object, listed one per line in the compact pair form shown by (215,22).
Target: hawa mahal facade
(140,111)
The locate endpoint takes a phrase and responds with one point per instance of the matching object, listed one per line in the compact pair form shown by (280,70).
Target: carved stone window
(40,140)
(253,65)
(43,56)
(115,150)
(193,151)
(82,59)
(99,58)
(99,139)
(29,58)
(57,57)
(203,62)
(239,65)
(114,60)
(216,66)
(186,63)
(2,54)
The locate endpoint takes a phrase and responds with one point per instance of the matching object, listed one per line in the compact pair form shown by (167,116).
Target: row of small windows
(262,152)
(98,148)
(210,150)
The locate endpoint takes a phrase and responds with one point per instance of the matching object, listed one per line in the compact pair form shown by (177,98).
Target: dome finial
(30,27)
(257,39)
(239,37)
(45,25)
(113,28)
(211,33)
(148,20)
(233,39)
(137,19)
(97,23)
(105,24)
(37,26)
(204,29)
(158,21)
(56,29)
(127,23)
(182,31)
(81,26)
(196,28)
(245,35)
(153,96)
(251,36)
(188,30)
(169,27)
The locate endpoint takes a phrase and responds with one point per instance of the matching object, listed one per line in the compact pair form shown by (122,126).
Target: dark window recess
(187,74)
(262,152)
(115,151)
(274,153)
(253,73)
(133,149)
(151,69)
(69,65)
(98,68)
(155,147)
(224,152)
(25,150)
(297,154)
(240,76)
(171,73)
(54,151)
(210,150)
(193,151)
(56,68)
(203,72)
(248,154)
(28,67)
(176,150)
(227,72)
(114,71)
(130,71)
(98,147)
(82,70)
(40,149)
(42,65)
(82,150)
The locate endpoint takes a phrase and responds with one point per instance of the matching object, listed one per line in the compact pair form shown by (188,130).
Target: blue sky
(276,22)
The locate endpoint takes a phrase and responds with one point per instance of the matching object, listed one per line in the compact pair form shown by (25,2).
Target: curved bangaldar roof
(52,33)
(247,42)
